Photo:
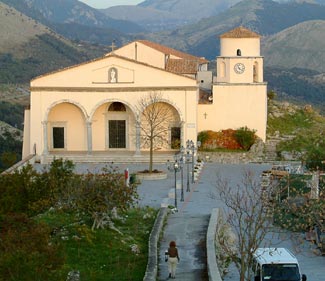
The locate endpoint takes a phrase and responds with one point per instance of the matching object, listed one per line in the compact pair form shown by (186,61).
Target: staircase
(117,157)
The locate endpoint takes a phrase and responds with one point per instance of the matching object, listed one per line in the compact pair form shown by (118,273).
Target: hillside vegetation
(306,128)
(263,16)
(17,29)
(161,14)
(299,46)
(29,49)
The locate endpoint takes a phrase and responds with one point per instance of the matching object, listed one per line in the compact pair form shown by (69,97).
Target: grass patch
(289,122)
(221,150)
(104,254)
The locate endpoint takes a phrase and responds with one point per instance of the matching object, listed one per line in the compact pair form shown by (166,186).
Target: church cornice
(240,57)
(239,84)
(112,90)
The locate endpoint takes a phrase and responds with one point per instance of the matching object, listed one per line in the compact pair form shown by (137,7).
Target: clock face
(239,68)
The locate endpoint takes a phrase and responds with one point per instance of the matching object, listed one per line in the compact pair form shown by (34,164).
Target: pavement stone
(188,226)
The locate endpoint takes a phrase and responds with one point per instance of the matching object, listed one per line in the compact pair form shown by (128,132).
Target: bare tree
(246,214)
(156,118)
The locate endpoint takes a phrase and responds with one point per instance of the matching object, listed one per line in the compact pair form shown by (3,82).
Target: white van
(276,264)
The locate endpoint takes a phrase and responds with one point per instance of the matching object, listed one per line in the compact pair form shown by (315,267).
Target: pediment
(112,71)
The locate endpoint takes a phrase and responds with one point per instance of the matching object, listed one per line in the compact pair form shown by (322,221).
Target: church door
(117,136)
(175,138)
(58,137)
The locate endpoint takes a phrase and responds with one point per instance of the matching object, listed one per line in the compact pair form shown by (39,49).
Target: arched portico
(161,125)
(64,127)
(113,126)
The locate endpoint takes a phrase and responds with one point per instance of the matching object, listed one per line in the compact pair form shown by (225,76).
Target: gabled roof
(170,51)
(240,32)
(100,58)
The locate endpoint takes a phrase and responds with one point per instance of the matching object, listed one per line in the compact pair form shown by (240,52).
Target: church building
(99,107)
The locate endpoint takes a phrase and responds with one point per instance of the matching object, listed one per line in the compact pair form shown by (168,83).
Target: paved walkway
(188,226)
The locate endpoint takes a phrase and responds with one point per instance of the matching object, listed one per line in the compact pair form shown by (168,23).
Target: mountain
(300,46)
(157,15)
(263,16)
(28,48)
(70,11)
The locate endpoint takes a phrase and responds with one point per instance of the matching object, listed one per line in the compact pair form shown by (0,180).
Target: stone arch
(170,125)
(65,126)
(113,129)
(174,105)
(83,110)
(111,100)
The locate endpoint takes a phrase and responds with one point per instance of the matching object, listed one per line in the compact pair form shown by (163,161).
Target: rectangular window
(175,137)
(117,137)
(58,137)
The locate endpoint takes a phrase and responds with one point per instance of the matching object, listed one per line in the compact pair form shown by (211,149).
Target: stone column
(137,137)
(89,138)
(45,138)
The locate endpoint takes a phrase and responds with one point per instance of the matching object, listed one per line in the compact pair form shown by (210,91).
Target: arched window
(255,72)
(238,52)
(117,106)
(222,69)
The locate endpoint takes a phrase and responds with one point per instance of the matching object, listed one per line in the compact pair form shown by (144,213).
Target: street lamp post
(174,167)
(190,147)
(181,162)
(182,182)
(188,169)
(185,153)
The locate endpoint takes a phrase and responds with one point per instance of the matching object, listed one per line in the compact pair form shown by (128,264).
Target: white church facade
(95,107)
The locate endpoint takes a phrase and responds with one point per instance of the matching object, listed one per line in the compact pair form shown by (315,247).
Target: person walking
(173,259)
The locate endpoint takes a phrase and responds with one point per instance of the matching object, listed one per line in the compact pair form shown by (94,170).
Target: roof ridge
(170,51)
(240,32)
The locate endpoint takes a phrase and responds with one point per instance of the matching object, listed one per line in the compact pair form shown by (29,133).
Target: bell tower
(240,60)
(239,94)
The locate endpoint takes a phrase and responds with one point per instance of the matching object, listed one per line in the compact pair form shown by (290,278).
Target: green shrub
(203,136)
(26,252)
(245,137)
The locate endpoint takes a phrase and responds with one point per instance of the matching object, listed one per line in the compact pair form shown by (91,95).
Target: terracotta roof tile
(182,66)
(240,32)
(170,51)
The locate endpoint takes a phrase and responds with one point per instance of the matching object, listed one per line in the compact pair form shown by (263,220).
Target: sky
(102,4)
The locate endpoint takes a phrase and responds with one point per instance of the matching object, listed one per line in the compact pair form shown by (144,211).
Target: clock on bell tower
(239,92)
(240,60)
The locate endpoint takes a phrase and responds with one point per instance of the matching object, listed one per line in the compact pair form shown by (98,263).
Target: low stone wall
(152,265)
(230,157)
(213,270)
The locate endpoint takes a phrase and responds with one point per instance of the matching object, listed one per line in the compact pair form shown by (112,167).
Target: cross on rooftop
(112,46)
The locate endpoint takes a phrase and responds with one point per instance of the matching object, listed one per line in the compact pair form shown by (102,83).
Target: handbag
(166,256)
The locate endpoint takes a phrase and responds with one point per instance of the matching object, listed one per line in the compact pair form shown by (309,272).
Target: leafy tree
(315,157)
(12,114)
(99,194)
(245,137)
(10,148)
(25,250)
(203,136)
(15,188)
(59,177)
(295,209)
